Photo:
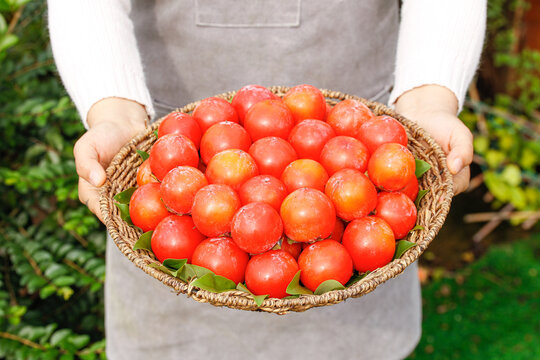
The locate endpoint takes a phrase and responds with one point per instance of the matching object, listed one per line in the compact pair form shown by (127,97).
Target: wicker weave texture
(121,175)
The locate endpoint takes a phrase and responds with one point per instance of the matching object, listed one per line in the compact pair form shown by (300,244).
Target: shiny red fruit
(309,137)
(344,152)
(256,227)
(272,155)
(351,192)
(144,174)
(214,110)
(175,237)
(248,96)
(348,116)
(223,257)
(263,188)
(370,242)
(179,123)
(213,209)
(293,248)
(307,215)
(382,130)
(398,211)
(170,151)
(391,167)
(222,136)
(305,102)
(324,260)
(304,173)
(270,273)
(411,189)
(146,209)
(179,187)
(231,167)
(269,118)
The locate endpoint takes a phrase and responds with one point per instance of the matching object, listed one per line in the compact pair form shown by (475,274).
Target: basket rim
(241,300)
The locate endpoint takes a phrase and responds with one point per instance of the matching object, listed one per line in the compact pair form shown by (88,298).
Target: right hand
(112,123)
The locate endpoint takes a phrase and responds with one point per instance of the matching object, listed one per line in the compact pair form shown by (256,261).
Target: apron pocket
(247,13)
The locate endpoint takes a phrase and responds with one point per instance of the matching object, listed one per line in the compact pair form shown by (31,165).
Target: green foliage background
(52,249)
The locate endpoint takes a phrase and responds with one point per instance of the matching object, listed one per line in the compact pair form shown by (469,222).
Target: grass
(489,310)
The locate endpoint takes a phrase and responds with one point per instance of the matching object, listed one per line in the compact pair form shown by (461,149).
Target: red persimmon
(222,136)
(256,227)
(370,242)
(269,118)
(348,116)
(293,248)
(179,123)
(223,257)
(231,167)
(270,273)
(175,237)
(263,188)
(304,173)
(144,174)
(398,211)
(353,195)
(272,155)
(214,110)
(411,189)
(213,209)
(170,151)
(146,209)
(324,260)
(248,96)
(307,215)
(305,102)
(382,130)
(391,167)
(337,233)
(179,187)
(308,138)
(344,152)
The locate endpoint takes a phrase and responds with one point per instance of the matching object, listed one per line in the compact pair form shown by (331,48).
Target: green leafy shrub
(51,247)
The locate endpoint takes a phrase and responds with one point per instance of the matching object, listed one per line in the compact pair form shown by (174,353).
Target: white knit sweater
(440,42)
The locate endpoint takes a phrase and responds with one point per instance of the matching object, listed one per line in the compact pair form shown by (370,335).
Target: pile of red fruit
(261,187)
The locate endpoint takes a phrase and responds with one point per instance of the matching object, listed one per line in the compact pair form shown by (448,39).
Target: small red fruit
(391,167)
(348,116)
(146,209)
(269,118)
(272,155)
(248,96)
(179,123)
(231,167)
(213,209)
(270,273)
(263,188)
(175,237)
(144,174)
(398,211)
(179,187)
(222,136)
(304,173)
(344,152)
(214,110)
(223,257)
(170,151)
(382,130)
(305,102)
(309,137)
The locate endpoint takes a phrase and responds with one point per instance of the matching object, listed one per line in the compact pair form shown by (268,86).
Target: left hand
(434,108)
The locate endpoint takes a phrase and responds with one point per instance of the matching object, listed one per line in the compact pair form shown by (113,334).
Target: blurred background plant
(52,248)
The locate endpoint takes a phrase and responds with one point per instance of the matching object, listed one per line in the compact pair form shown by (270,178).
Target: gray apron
(195,49)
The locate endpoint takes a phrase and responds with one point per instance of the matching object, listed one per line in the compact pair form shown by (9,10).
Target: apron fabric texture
(195,49)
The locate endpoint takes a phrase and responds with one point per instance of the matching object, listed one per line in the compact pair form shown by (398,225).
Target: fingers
(87,161)
(89,195)
(461,181)
(461,150)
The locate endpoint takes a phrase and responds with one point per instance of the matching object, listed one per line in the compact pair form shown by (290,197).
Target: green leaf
(124,212)
(156,133)
(190,271)
(421,167)
(144,242)
(259,299)
(125,196)
(144,155)
(47,291)
(58,336)
(417,227)
(214,283)
(8,41)
(165,269)
(174,263)
(79,341)
(294,287)
(3,25)
(419,197)
(401,247)
(64,280)
(327,286)
(356,278)
(292,297)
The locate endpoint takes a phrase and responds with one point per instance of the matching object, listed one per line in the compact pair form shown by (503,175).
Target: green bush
(51,247)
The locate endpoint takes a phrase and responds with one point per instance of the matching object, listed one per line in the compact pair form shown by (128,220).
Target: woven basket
(435,205)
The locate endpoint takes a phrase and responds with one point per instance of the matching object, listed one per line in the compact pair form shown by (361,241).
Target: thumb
(461,149)
(87,161)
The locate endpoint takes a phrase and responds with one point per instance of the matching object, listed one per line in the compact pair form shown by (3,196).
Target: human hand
(112,123)
(434,108)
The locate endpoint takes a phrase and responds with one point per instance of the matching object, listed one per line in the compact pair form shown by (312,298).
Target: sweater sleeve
(439,43)
(96,53)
